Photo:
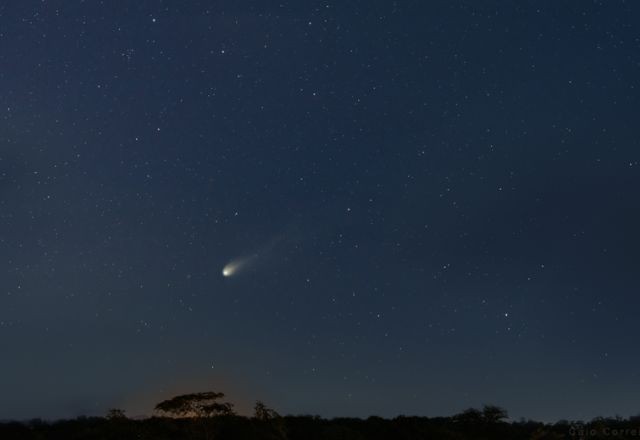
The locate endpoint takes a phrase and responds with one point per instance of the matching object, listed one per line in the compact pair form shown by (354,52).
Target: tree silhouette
(264,413)
(270,423)
(199,405)
(469,416)
(483,424)
(494,414)
(116,414)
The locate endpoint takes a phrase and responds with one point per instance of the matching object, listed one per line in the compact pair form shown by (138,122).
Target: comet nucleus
(234,266)
(242,263)
(229,269)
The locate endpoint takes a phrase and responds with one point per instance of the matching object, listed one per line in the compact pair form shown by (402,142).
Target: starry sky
(428,205)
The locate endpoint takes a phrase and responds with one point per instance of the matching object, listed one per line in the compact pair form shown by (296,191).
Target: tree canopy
(196,405)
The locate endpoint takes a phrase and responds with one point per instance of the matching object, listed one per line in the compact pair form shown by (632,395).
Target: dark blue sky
(436,204)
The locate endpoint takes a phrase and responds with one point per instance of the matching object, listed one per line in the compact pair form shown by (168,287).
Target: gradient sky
(436,204)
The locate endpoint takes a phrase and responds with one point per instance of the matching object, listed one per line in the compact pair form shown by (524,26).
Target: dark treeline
(200,416)
(310,428)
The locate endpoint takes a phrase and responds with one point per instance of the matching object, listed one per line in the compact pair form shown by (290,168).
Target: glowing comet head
(237,265)
(234,266)
(228,270)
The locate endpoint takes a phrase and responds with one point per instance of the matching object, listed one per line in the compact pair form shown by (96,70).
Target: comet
(234,266)
(239,264)
(228,270)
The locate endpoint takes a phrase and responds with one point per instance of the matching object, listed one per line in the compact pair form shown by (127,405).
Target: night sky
(422,206)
